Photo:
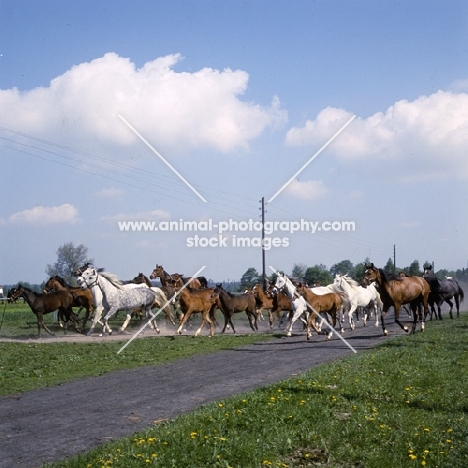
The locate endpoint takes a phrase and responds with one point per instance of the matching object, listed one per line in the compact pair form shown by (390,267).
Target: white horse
(358,297)
(299,304)
(115,297)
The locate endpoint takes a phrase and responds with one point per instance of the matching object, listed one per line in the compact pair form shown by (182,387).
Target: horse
(298,302)
(329,303)
(263,300)
(192,301)
(177,280)
(41,304)
(395,292)
(358,296)
(116,296)
(443,291)
(231,304)
(81,299)
(168,292)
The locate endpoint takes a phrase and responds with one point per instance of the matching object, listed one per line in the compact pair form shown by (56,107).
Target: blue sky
(237,96)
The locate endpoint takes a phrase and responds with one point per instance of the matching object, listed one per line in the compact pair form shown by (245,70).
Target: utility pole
(263,250)
(394,258)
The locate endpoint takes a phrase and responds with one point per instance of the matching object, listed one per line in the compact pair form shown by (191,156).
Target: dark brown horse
(394,292)
(194,301)
(279,301)
(81,298)
(231,304)
(41,304)
(442,291)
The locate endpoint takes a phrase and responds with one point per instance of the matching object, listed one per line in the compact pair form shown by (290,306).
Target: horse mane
(353,283)
(112,279)
(387,277)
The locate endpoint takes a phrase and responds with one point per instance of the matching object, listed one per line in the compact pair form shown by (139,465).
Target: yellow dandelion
(412,457)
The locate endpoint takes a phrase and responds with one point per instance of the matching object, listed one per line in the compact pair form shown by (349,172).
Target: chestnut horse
(395,292)
(320,303)
(231,304)
(194,301)
(41,304)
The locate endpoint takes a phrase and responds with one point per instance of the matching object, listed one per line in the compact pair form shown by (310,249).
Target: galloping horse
(81,299)
(194,301)
(395,292)
(358,296)
(116,297)
(41,304)
(231,304)
(443,291)
(298,303)
(329,303)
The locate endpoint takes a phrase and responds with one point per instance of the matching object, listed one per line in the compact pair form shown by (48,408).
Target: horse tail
(461,293)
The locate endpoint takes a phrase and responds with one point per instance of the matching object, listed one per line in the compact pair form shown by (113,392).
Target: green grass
(402,404)
(27,366)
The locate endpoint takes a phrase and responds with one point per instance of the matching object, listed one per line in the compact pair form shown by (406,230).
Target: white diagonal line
(323,320)
(161,157)
(312,158)
(153,316)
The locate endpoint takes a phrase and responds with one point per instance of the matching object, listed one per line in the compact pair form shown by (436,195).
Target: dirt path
(52,424)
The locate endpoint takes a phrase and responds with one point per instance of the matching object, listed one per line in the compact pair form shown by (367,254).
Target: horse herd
(102,295)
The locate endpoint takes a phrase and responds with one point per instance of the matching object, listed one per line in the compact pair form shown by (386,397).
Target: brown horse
(194,301)
(231,304)
(274,303)
(394,292)
(41,304)
(81,298)
(329,303)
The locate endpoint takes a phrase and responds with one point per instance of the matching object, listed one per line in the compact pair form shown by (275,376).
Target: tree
(250,278)
(345,267)
(299,270)
(69,258)
(390,266)
(318,274)
(413,269)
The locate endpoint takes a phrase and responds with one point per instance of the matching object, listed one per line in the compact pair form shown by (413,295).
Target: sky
(350,119)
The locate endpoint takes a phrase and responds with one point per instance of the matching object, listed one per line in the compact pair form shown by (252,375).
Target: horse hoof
(158,331)
(385,333)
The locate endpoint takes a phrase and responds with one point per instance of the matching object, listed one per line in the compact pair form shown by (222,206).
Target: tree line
(322,275)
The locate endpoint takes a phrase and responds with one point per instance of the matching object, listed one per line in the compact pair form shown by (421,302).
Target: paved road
(54,423)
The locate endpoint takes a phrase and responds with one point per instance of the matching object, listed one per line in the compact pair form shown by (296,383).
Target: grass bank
(402,404)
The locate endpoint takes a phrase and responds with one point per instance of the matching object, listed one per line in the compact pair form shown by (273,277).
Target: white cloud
(307,190)
(182,109)
(46,215)
(417,141)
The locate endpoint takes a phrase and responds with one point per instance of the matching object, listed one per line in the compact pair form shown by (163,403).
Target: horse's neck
(59,286)
(29,296)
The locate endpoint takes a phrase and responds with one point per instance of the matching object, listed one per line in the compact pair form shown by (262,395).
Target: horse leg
(205,319)
(152,321)
(382,319)
(450,303)
(184,317)
(350,315)
(251,314)
(40,323)
(397,318)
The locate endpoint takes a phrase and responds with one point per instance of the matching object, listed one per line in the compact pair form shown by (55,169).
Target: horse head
(371,274)
(87,278)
